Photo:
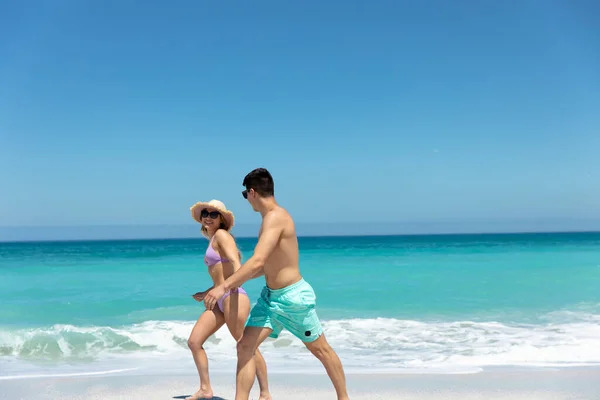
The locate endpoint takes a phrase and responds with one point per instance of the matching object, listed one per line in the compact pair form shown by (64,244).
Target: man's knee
(320,348)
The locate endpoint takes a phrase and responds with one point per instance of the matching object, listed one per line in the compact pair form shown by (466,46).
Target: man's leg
(321,349)
(301,319)
(246,365)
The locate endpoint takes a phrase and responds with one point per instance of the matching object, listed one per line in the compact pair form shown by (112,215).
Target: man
(287,300)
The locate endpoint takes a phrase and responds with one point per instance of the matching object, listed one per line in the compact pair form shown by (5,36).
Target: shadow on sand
(188,395)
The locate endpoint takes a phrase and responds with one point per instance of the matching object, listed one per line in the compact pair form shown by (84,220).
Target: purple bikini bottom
(227,294)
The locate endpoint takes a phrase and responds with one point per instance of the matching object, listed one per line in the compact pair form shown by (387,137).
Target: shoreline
(133,371)
(579,383)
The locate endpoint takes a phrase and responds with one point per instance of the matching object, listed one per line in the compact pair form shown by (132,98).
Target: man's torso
(281,269)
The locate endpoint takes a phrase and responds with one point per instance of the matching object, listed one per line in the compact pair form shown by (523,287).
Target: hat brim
(226,214)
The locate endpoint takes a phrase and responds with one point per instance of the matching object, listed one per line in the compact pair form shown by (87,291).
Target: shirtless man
(287,300)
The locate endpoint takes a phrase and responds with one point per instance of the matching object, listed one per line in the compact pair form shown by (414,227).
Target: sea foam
(381,344)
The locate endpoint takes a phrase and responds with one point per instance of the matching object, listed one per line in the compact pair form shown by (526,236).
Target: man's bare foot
(201,394)
(265,396)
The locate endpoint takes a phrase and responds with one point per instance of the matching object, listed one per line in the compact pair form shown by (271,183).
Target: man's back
(281,268)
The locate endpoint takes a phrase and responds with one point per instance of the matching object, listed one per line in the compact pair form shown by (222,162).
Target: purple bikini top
(211,257)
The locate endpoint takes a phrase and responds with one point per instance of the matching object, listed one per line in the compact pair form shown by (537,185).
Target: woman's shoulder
(222,234)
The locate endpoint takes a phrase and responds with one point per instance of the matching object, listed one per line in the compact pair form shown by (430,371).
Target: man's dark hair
(261,181)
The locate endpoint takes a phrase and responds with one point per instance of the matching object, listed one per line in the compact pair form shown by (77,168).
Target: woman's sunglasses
(213,214)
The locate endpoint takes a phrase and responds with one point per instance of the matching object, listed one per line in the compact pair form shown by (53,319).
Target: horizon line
(483,233)
(431,221)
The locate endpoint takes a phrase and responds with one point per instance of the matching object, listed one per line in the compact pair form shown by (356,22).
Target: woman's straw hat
(213,205)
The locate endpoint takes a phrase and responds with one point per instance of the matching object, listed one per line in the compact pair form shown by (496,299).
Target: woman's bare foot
(202,394)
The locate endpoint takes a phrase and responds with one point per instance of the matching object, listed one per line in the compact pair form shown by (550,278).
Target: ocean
(414,304)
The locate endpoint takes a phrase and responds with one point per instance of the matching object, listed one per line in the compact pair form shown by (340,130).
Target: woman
(222,259)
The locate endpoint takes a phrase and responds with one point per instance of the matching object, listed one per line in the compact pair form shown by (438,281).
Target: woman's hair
(222,225)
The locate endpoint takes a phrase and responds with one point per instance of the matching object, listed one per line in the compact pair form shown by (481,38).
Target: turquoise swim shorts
(292,308)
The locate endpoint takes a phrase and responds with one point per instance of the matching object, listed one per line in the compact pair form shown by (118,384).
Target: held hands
(211,298)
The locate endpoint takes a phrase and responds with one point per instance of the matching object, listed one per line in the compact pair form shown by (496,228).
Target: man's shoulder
(278,215)
(278,218)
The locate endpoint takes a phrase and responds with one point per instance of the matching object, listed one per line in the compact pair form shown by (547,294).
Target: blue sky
(438,115)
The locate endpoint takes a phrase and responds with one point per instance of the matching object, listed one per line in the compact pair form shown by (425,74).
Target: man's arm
(253,268)
(259,273)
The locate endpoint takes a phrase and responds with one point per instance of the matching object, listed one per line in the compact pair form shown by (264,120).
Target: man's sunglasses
(245,194)
(213,214)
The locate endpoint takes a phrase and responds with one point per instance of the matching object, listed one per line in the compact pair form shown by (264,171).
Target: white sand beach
(570,384)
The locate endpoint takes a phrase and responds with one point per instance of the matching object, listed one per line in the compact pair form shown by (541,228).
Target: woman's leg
(209,322)
(236,309)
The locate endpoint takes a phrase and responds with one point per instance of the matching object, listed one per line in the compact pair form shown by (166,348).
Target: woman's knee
(237,329)
(195,343)
(236,324)
(245,349)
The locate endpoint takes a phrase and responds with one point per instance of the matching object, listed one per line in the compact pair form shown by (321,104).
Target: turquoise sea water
(403,303)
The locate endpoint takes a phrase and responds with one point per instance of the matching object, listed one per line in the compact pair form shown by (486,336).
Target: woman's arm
(228,249)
